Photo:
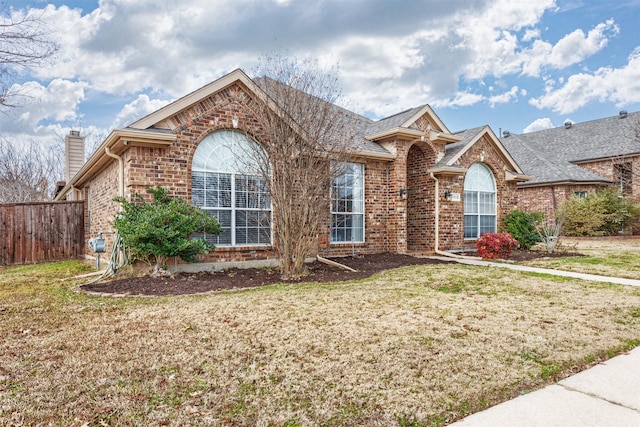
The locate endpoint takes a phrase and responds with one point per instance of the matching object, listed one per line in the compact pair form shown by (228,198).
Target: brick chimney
(73,154)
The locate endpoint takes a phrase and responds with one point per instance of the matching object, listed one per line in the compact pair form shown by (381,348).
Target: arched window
(226,184)
(479,202)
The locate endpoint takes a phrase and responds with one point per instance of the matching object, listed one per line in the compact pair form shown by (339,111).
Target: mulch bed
(193,283)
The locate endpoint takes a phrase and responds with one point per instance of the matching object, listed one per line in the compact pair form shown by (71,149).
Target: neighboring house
(577,158)
(413,186)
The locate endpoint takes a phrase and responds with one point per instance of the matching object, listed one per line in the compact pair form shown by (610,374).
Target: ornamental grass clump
(496,245)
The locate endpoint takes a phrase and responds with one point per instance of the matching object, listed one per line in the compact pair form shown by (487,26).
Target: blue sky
(517,65)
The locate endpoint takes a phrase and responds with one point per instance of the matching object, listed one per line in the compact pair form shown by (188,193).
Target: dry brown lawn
(417,346)
(615,257)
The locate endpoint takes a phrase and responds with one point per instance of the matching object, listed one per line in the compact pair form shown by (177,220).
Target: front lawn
(614,257)
(416,346)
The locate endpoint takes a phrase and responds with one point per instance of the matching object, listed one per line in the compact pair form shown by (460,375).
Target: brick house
(414,186)
(576,159)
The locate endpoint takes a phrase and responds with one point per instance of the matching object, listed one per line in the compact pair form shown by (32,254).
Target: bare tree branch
(302,134)
(25,41)
(27,172)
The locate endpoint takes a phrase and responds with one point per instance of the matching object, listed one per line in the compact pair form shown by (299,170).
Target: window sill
(242,248)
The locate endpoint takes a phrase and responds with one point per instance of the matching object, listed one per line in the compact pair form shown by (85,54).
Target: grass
(616,258)
(416,346)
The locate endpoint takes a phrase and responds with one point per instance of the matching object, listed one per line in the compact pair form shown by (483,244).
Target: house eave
(447,138)
(560,183)
(396,132)
(447,170)
(517,177)
(117,142)
(374,156)
(611,158)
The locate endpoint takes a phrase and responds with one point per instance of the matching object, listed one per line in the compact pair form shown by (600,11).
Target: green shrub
(496,245)
(156,231)
(522,226)
(602,213)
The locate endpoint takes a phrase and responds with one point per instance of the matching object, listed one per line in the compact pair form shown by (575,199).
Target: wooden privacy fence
(40,232)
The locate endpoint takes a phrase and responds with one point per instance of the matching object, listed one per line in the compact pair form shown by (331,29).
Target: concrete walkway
(582,276)
(607,395)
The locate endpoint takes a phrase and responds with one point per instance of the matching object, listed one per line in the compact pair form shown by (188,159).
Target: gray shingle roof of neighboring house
(552,155)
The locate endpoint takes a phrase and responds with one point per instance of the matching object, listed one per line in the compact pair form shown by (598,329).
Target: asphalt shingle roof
(451,150)
(392,122)
(551,155)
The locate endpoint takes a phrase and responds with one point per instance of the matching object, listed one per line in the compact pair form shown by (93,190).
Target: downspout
(120,169)
(437,225)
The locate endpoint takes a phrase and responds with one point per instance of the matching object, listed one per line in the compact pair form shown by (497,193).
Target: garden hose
(117,260)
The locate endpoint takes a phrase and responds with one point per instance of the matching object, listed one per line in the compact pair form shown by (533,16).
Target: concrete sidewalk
(582,276)
(606,395)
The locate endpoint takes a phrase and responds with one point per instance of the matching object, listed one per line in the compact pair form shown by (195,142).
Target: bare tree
(25,41)
(27,172)
(550,231)
(303,136)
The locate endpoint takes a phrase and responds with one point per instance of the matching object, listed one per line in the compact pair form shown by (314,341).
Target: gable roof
(468,138)
(158,117)
(156,130)
(405,123)
(553,155)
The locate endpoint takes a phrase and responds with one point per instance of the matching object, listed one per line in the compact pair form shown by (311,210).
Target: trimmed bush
(496,245)
(603,213)
(156,231)
(522,226)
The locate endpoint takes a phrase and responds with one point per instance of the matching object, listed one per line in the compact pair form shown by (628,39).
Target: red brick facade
(549,198)
(400,193)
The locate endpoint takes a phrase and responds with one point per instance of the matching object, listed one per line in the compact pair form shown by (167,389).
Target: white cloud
(575,47)
(618,85)
(460,99)
(449,54)
(504,97)
(539,124)
(137,109)
(58,101)
(531,34)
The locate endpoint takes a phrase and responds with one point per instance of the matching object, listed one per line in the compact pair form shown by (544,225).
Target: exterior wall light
(447,195)
(403,194)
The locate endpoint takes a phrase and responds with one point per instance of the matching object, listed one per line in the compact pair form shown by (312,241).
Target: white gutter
(120,170)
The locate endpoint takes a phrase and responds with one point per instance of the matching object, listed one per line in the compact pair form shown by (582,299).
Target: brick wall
(392,223)
(606,169)
(99,194)
(452,213)
(420,199)
(548,199)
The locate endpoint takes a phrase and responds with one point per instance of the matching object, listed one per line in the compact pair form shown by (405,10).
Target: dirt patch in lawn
(193,283)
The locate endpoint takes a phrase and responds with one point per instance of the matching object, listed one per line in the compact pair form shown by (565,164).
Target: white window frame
(224,155)
(347,201)
(476,194)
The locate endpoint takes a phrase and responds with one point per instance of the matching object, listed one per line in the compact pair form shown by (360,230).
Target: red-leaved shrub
(496,245)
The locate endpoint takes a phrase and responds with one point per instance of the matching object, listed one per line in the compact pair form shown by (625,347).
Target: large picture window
(347,204)
(479,202)
(225,183)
